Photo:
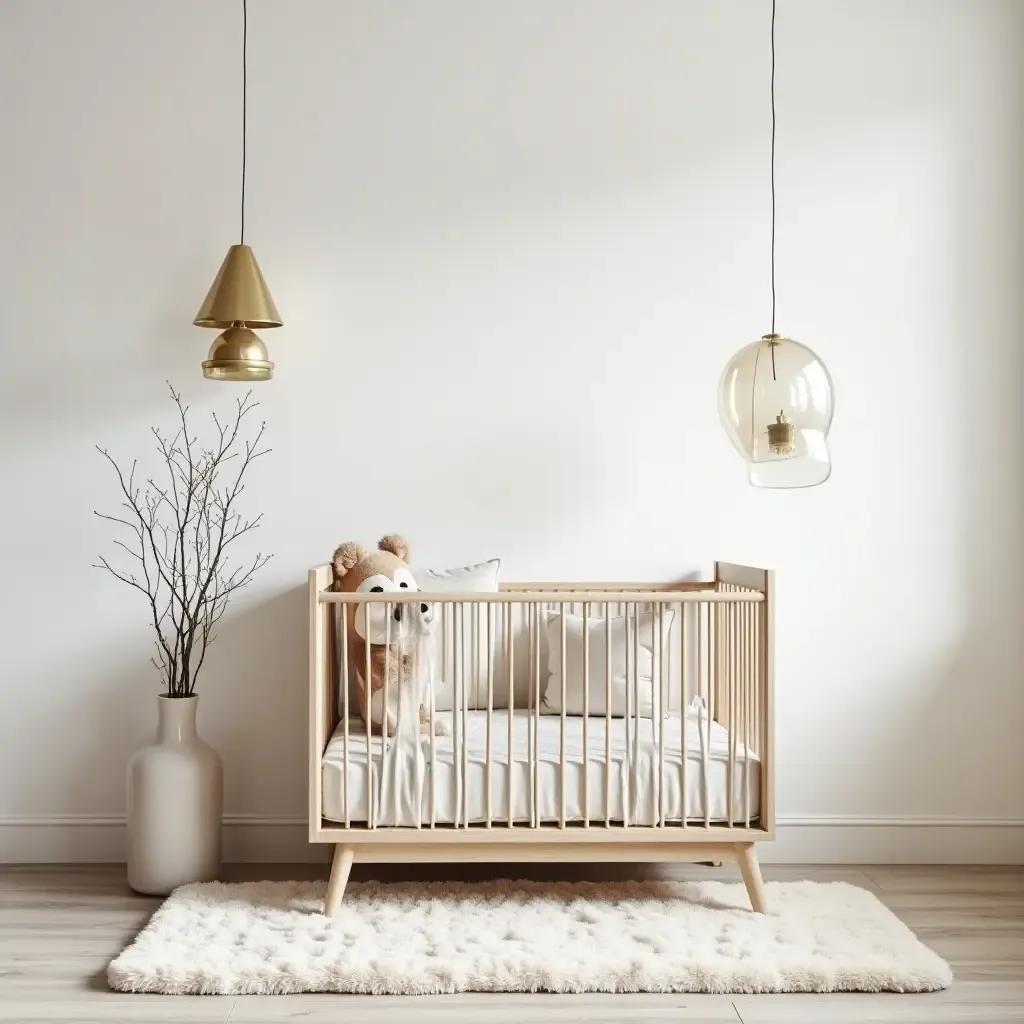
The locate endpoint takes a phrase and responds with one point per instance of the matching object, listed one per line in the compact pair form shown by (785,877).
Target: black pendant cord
(773,185)
(245,32)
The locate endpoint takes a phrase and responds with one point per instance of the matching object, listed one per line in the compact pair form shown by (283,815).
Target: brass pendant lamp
(775,396)
(238,299)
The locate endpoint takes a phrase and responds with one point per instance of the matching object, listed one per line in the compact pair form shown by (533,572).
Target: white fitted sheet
(632,781)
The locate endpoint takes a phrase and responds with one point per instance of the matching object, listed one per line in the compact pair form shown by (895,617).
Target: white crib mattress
(732,793)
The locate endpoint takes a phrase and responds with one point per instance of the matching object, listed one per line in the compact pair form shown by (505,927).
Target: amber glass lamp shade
(775,401)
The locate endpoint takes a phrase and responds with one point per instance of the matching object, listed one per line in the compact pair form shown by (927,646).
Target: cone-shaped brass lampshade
(238,300)
(239,295)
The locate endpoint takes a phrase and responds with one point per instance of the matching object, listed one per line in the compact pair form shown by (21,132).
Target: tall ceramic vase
(175,797)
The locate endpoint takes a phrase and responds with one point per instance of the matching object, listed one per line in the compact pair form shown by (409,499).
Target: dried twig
(181,531)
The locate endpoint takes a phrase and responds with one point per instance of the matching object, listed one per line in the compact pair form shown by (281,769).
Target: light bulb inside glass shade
(775,401)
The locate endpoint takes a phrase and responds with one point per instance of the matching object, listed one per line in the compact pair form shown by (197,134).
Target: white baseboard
(99,839)
(800,839)
(895,839)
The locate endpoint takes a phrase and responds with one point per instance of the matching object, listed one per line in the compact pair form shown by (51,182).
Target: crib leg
(341,866)
(746,854)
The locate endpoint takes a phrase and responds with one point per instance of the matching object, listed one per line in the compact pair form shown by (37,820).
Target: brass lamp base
(238,354)
(237,371)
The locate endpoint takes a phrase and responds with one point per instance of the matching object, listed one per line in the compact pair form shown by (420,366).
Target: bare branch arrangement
(181,535)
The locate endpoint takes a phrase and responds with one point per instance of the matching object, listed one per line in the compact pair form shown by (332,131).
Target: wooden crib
(682,771)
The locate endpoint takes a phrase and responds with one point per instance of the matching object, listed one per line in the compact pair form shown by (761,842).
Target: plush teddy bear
(386,570)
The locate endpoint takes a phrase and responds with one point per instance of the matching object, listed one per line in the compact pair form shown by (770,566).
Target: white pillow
(467,579)
(639,641)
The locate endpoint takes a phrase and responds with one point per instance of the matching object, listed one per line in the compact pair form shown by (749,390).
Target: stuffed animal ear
(398,546)
(348,556)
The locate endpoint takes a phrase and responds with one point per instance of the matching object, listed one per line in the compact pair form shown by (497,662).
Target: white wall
(513,245)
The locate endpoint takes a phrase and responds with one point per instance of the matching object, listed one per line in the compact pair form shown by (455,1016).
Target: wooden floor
(60,926)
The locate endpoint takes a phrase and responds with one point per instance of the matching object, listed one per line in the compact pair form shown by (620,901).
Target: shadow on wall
(255,696)
(974,691)
(969,686)
(252,711)
(985,676)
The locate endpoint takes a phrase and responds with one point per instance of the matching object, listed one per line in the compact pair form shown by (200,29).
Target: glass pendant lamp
(775,400)
(775,395)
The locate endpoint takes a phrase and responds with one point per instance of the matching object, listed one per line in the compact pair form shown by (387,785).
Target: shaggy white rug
(517,936)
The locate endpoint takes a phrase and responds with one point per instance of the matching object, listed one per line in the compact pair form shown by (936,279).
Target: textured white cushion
(467,579)
(633,641)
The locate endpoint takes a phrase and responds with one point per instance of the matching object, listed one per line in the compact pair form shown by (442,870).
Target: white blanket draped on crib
(402,778)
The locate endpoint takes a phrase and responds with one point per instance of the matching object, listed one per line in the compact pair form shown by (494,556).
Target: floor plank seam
(875,882)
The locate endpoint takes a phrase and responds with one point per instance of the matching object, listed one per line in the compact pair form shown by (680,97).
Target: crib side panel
(742,672)
(321,688)
(646,708)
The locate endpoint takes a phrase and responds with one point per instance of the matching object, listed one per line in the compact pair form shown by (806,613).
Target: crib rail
(557,712)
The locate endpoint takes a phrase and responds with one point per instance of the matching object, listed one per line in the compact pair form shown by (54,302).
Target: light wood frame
(738,630)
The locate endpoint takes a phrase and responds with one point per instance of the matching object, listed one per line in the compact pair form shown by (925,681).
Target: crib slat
(467,653)
(662,709)
(740,685)
(509,635)
(628,707)
(464,683)
(490,711)
(720,707)
(735,724)
(741,739)
(535,660)
(465,705)
(632,701)
(748,678)
(371,817)
(758,708)
(741,743)
(458,737)
(457,740)
(418,670)
(635,722)
(753,698)
(740,704)
(730,702)
(683,712)
(561,740)
(607,718)
(435,675)
(586,714)
(704,723)
(343,676)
